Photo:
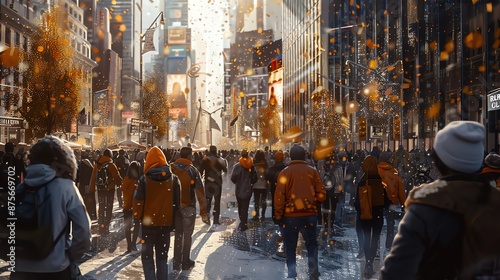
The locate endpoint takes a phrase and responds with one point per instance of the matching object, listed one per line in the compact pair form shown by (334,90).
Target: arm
(279,198)
(408,247)
(117,178)
(236,173)
(139,198)
(199,191)
(80,224)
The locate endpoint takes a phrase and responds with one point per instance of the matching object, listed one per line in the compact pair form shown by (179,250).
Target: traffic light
(362,129)
(396,128)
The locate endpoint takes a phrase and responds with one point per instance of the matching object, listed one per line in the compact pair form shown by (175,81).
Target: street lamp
(141,79)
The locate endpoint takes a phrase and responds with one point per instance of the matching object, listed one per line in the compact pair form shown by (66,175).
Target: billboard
(275,84)
(176,85)
(177,35)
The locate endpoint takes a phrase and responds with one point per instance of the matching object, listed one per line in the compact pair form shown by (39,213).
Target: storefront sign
(494,100)
(11,122)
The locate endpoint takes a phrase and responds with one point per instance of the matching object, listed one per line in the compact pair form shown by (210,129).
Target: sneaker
(188,265)
(368,270)
(360,255)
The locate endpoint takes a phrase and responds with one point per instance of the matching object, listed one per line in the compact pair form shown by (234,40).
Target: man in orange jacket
(299,193)
(395,190)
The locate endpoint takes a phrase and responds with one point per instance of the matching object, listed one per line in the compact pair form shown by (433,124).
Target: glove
(205,219)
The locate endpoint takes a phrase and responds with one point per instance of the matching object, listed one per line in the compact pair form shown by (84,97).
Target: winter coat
(128,188)
(116,179)
(156,200)
(85,175)
(243,175)
(272,175)
(66,204)
(212,167)
(332,177)
(299,189)
(192,189)
(429,240)
(394,183)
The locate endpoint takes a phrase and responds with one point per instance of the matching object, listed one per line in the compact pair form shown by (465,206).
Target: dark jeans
(307,227)
(213,191)
(106,198)
(260,200)
(61,275)
(389,218)
(128,222)
(243,205)
(329,208)
(359,233)
(90,204)
(159,238)
(184,228)
(371,234)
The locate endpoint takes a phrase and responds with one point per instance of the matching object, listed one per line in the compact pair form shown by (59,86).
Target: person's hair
(133,170)
(259,157)
(213,150)
(108,153)
(185,152)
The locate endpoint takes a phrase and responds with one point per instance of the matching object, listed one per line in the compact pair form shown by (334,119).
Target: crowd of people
(159,189)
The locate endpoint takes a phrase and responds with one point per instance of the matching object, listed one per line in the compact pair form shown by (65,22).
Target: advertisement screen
(276,90)
(176,85)
(177,35)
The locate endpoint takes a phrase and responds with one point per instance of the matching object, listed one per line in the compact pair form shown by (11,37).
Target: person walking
(212,168)
(53,164)
(299,193)
(105,178)
(332,177)
(243,176)
(129,183)
(122,162)
(370,202)
(451,227)
(260,188)
(272,177)
(156,200)
(396,192)
(191,187)
(84,178)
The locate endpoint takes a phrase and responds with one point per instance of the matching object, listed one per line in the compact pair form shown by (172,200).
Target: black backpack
(26,234)
(103,177)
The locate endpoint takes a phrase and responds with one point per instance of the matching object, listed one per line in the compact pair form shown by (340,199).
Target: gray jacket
(66,205)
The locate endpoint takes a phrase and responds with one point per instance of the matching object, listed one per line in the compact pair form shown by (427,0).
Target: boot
(216,218)
(368,270)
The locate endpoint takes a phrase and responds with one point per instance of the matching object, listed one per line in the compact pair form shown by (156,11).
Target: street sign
(494,100)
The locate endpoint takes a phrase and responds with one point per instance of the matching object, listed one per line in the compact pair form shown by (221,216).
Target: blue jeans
(159,238)
(307,227)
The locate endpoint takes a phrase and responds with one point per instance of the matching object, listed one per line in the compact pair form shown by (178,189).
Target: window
(17,39)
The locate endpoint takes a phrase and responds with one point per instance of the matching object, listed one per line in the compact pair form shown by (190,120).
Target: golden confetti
(474,40)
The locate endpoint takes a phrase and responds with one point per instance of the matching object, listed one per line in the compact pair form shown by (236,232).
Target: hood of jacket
(182,162)
(39,174)
(246,162)
(154,158)
(385,166)
(370,165)
(104,159)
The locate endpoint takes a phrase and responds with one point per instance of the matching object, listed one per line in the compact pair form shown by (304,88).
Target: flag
(148,41)
(82,117)
(234,120)
(213,124)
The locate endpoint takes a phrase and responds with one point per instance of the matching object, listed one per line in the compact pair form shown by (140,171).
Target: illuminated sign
(177,35)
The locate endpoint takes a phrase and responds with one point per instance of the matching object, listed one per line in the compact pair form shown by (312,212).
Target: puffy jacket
(192,188)
(394,183)
(66,204)
(116,179)
(158,192)
(212,167)
(243,175)
(299,190)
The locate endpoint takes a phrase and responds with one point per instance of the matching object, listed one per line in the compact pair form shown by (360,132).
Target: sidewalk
(224,252)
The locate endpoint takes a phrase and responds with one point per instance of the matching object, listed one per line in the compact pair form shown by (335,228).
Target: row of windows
(73,12)
(10,37)
(73,27)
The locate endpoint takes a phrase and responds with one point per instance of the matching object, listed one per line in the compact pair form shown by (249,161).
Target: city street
(224,252)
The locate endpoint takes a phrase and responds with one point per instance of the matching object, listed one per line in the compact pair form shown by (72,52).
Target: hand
(205,219)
